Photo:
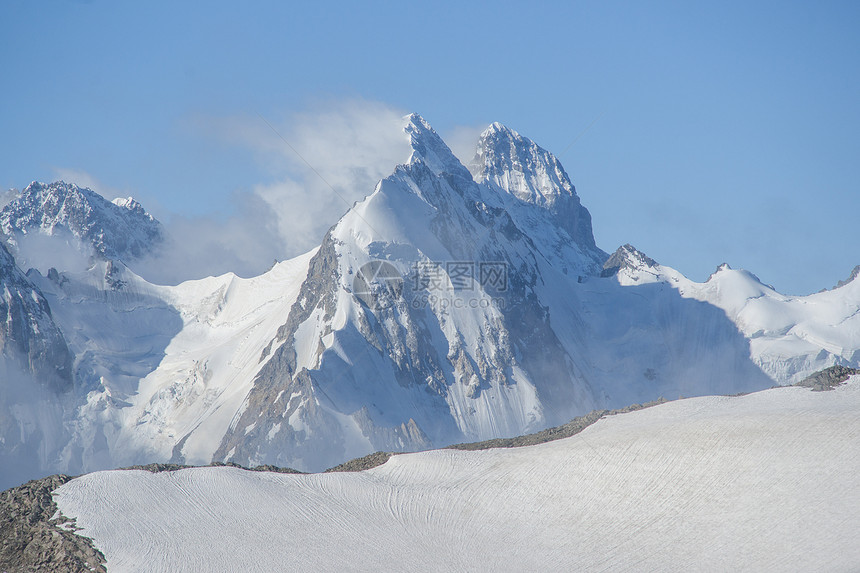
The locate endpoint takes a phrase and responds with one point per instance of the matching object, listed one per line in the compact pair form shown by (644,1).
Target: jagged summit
(514,164)
(428,147)
(519,166)
(121,229)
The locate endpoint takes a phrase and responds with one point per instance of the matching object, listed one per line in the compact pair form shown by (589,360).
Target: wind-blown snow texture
(762,482)
(312,364)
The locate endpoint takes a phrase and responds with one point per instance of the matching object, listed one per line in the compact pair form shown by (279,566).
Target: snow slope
(763,482)
(160,371)
(790,337)
(208,367)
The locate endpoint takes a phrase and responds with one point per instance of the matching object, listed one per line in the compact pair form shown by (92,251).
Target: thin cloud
(463,141)
(245,243)
(350,145)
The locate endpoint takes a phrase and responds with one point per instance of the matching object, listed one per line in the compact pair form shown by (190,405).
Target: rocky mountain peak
(722,267)
(510,163)
(115,230)
(520,167)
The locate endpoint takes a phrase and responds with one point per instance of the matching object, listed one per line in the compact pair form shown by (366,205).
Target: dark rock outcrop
(29,338)
(363,463)
(626,256)
(855,272)
(32,539)
(829,378)
(567,430)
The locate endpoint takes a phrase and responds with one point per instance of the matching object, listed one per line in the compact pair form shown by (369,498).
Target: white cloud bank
(321,161)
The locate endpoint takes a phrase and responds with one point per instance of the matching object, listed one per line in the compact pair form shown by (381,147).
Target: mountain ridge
(443,308)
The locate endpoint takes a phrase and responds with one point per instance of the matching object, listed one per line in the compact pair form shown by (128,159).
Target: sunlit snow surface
(764,482)
(790,337)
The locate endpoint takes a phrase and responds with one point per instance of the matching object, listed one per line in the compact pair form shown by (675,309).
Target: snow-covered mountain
(410,364)
(121,229)
(515,165)
(450,305)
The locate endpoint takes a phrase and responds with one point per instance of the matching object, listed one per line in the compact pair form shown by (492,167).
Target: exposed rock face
(29,339)
(829,378)
(115,230)
(33,540)
(508,161)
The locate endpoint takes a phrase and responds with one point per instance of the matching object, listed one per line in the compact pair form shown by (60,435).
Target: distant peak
(721,268)
(855,272)
(415,120)
(115,229)
(58,189)
(722,272)
(497,127)
(499,130)
(37,186)
(627,257)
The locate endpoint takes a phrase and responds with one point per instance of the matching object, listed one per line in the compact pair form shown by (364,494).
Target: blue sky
(725,131)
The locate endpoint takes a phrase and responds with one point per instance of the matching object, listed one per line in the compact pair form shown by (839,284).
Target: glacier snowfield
(768,481)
